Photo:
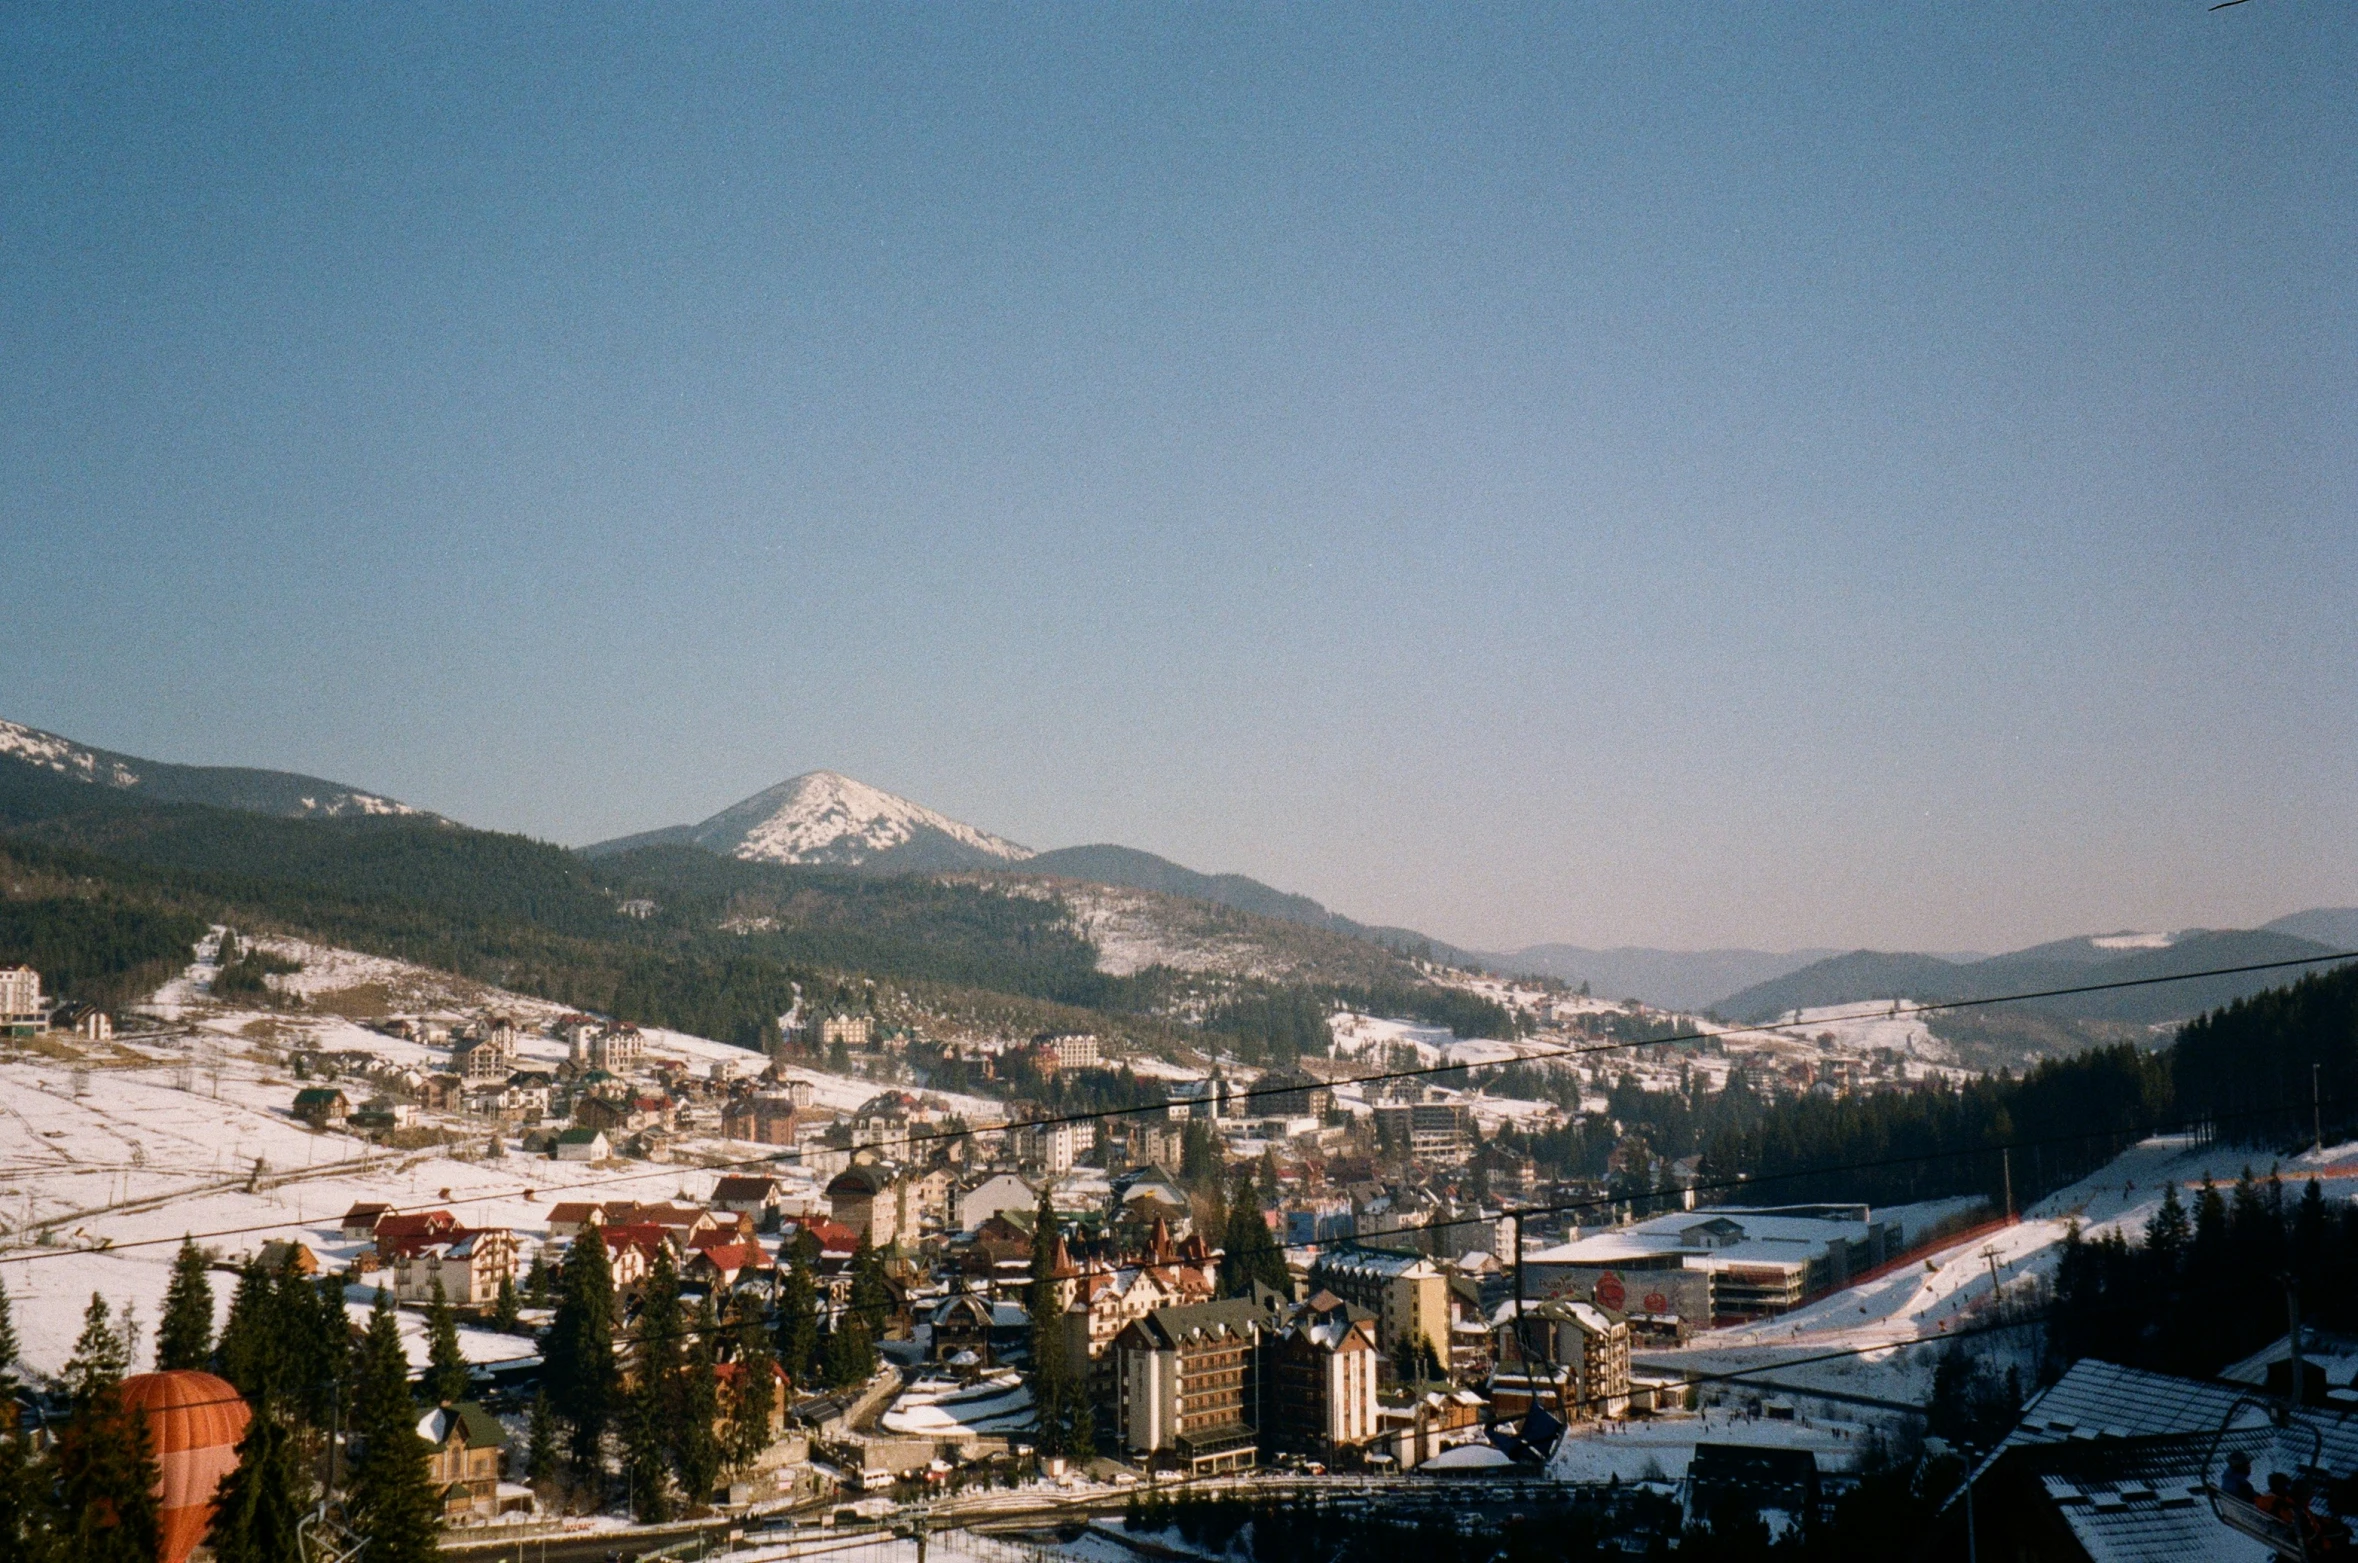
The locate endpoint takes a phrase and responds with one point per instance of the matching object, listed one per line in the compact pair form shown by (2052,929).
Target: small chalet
(465,1450)
(360,1222)
(720,1265)
(631,1251)
(282,1255)
(582,1145)
(568,1217)
(322,1107)
(835,1240)
(971,1332)
(760,1198)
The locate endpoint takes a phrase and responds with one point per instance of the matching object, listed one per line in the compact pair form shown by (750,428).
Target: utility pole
(2317,1108)
(1522,1346)
(1972,1542)
(1997,1299)
(2292,1315)
(2006,1160)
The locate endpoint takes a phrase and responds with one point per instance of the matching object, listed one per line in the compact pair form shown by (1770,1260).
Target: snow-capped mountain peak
(222,786)
(825,817)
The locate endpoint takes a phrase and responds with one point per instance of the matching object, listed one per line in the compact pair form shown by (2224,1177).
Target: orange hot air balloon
(194,1421)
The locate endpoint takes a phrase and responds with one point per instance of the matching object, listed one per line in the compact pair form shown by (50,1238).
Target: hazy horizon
(1862,476)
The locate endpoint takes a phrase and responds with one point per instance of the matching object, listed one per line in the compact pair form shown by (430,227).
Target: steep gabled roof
(1171,1328)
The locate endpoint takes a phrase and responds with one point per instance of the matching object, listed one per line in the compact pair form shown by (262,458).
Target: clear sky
(1830,474)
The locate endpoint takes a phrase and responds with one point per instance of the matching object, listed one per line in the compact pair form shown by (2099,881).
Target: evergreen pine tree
(798,1324)
(322,1331)
(503,1306)
(261,1504)
(391,1499)
(1051,1371)
(755,1400)
(100,1357)
(2168,1233)
(1247,1252)
(28,1518)
(698,1453)
(2309,1229)
(871,1298)
(251,1340)
(850,1353)
(646,1467)
(8,1342)
(106,1470)
(651,1428)
(583,1382)
(446,1364)
(185,1337)
(542,1450)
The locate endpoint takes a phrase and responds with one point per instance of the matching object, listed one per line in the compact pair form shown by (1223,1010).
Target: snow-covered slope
(222,786)
(824,817)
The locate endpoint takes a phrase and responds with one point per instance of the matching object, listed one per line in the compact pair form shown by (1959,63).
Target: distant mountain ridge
(1666,979)
(824,818)
(2103,958)
(284,793)
(2335,927)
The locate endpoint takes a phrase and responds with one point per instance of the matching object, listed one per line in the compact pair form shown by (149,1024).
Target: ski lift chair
(2288,1541)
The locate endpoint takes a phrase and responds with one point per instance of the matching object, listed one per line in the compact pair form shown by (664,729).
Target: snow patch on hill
(1135,929)
(63,756)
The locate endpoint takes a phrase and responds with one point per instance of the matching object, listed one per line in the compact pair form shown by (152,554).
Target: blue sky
(1778,475)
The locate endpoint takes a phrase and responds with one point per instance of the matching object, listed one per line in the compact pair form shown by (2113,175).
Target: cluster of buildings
(1407,1327)
(25,1013)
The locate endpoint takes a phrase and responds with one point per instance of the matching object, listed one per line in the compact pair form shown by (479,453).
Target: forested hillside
(2250,1064)
(669,935)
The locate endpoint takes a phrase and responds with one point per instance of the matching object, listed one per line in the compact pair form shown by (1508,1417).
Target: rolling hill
(220,786)
(2122,958)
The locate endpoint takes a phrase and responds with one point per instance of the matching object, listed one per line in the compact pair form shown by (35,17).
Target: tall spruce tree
(1051,1371)
(185,1337)
(650,1425)
(850,1353)
(446,1363)
(28,1517)
(1248,1252)
(258,1512)
(251,1340)
(319,1344)
(583,1381)
(9,1345)
(504,1305)
(391,1499)
(2169,1232)
(798,1324)
(698,1453)
(542,1442)
(871,1297)
(106,1470)
(754,1397)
